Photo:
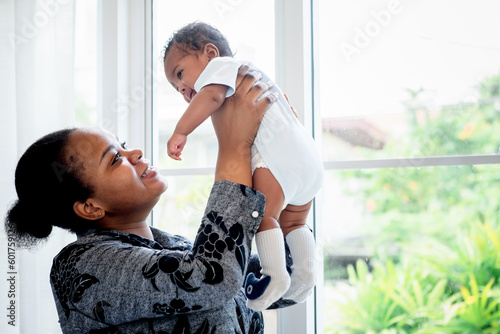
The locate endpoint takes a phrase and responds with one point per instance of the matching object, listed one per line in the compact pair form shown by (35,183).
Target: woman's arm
(110,279)
(236,124)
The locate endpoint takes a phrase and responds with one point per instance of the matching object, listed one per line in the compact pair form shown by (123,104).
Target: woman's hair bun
(26,235)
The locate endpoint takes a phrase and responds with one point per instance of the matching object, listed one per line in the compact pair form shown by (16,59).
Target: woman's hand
(236,125)
(239,118)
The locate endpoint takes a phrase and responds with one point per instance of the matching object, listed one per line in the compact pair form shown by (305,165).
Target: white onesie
(282,141)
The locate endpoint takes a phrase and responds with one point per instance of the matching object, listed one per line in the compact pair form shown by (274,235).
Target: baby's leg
(270,246)
(300,240)
(294,217)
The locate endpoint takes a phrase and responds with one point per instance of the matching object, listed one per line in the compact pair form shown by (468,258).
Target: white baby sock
(271,249)
(303,252)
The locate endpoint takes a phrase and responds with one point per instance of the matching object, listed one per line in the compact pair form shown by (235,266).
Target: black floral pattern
(176,305)
(213,246)
(257,324)
(183,327)
(69,284)
(244,190)
(170,265)
(109,330)
(210,243)
(205,328)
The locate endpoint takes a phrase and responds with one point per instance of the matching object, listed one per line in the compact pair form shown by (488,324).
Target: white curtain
(36,97)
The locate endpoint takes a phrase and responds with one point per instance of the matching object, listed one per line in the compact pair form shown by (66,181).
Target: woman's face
(124,183)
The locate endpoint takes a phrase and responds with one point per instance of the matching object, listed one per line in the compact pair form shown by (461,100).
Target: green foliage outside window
(434,232)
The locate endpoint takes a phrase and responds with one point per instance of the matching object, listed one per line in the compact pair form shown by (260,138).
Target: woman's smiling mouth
(146,172)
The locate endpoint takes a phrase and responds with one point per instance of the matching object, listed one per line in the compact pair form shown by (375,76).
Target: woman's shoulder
(170,241)
(97,238)
(115,238)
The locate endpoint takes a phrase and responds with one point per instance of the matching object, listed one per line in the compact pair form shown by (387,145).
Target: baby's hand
(175,145)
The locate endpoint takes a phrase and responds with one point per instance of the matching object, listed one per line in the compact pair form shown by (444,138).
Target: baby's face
(182,71)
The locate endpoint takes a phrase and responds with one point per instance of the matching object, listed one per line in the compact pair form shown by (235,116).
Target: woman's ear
(88,210)
(211,51)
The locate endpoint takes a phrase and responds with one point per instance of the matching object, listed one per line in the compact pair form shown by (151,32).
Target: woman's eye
(116,158)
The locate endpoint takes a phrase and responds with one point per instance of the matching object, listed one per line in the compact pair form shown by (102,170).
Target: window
(409,101)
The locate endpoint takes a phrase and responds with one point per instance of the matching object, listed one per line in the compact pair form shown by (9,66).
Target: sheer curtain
(36,97)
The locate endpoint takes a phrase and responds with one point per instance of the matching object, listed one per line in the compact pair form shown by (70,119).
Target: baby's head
(188,52)
(193,37)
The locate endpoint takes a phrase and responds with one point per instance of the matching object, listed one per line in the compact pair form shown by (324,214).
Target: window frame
(295,75)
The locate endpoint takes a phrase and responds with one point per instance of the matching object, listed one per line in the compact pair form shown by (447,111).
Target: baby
(285,163)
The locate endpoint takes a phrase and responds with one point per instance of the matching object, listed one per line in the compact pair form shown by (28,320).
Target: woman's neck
(143,231)
(139,228)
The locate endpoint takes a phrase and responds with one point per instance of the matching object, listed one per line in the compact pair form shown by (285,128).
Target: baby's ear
(211,51)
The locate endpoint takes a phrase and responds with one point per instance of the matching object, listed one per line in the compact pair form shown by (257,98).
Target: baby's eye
(179,74)
(124,145)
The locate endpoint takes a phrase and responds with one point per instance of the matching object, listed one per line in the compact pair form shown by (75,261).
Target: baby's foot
(255,287)
(303,251)
(261,293)
(271,249)
(301,286)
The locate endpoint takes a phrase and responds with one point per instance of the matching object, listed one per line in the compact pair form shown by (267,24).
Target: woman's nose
(135,155)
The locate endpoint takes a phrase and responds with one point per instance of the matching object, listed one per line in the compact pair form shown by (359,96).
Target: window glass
(249,39)
(410,232)
(181,207)
(85,63)
(405,247)
(392,68)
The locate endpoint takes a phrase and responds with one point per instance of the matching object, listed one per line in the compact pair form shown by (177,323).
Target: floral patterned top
(111,281)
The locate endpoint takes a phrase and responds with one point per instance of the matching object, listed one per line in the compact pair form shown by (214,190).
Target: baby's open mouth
(191,95)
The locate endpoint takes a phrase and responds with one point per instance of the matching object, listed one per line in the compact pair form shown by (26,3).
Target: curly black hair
(194,36)
(48,182)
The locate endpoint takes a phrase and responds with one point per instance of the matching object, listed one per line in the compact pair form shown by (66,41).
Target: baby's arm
(208,100)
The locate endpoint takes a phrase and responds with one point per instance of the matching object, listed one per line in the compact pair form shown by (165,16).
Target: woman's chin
(165,182)
(162,184)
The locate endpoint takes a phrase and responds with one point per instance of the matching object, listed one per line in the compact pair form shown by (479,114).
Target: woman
(121,275)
